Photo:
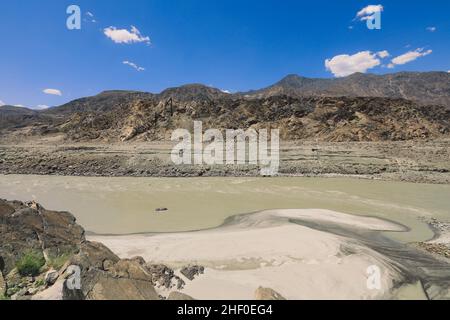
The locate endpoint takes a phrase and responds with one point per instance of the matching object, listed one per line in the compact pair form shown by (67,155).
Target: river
(127,205)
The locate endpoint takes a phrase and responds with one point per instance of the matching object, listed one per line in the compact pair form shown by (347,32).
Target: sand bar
(270,249)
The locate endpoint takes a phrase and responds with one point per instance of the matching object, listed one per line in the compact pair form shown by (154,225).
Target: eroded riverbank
(420,161)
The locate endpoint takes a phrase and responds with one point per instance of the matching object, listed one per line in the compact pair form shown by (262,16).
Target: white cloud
(344,65)
(133,65)
(125,36)
(383,54)
(38,107)
(368,12)
(41,107)
(431,29)
(409,57)
(54,92)
(225,91)
(2,103)
(90,17)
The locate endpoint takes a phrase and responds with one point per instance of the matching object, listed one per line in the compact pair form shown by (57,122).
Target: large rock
(106,277)
(191,272)
(55,292)
(2,285)
(108,288)
(163,276)
(93,254)
(175,295)
(102,274)
(51,277)
(28,226)
(132,270)
(267,294)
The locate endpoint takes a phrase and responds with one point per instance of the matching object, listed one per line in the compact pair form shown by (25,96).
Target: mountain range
(360,107)
(424,88)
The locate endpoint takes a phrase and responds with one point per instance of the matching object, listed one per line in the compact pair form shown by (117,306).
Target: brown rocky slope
(29,233)
(422,87)
(323,119)
(333,119)
(360,107)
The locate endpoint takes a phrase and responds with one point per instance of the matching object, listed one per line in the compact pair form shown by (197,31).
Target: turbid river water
(127,205)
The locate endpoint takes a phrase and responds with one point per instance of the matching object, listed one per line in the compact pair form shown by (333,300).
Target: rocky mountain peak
(191,92)
(424,88)
(292,80)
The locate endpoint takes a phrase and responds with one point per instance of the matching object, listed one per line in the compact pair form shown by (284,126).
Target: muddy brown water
(128,205)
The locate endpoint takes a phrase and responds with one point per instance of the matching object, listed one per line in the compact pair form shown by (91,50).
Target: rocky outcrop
(267,294)
(439,249)
(60,240)
(2,285)
(318,118)
(51,277)
(122,280)
(422,87)
(439,246)
(191,272)
(175,295)
(164,277)
(98,285)
(28,226)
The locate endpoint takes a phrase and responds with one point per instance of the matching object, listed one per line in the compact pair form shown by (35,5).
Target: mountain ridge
(436,92)
(422,87)
(356,108)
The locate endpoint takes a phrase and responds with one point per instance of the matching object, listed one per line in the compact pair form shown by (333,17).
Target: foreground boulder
(191,272)
(28,227)
(267,294)
(44,255)
(2,285)
(178,296)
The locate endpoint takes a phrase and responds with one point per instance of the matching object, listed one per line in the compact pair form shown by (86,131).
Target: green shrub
(31,263)
(39,283)
(58,262)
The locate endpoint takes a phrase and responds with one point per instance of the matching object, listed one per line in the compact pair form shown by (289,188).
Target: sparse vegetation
(3,297)
(58,261)
(12,291)
(39,283)
(31,263)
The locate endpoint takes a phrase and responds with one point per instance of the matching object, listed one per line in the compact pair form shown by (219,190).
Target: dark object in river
(161,209)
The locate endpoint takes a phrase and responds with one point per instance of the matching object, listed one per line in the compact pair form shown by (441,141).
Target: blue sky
(232,45)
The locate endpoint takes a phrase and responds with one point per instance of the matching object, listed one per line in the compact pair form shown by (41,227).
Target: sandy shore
(273,249)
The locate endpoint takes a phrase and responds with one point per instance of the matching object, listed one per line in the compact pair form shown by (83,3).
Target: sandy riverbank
(279,249)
